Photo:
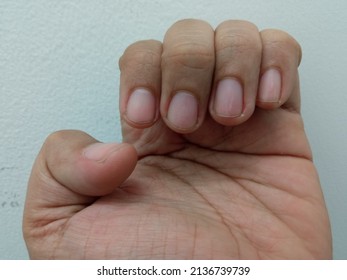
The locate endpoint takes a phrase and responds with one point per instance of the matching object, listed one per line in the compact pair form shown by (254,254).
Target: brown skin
(227,188)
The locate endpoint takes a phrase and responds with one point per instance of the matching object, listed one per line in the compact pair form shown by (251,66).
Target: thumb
(73,168)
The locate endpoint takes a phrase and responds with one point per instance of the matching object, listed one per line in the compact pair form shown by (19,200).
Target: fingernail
(183,110)
(141,106)
(100,151)
(270,86)
(229,98)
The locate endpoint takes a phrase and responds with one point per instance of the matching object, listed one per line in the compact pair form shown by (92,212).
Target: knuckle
(60,138)
(53,142)
(238,24)
(235,37)
(281,38)
(282,41)
(189,43)
(235,43)
(141,53)
(235,54)
(190,55)
(59,145)
(190,23)
(55,139)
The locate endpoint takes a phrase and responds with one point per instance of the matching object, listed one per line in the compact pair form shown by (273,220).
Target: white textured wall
(58,69)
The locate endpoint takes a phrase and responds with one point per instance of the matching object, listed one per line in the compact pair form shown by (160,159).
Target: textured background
(58,70)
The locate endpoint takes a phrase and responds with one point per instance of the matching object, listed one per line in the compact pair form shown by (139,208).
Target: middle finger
(187,70)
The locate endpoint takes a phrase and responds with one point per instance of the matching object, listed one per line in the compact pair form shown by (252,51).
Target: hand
(215,163)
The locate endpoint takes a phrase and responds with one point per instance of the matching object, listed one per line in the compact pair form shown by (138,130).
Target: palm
(242,193)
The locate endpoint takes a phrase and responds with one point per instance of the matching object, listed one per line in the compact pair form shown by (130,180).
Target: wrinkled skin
(243,191)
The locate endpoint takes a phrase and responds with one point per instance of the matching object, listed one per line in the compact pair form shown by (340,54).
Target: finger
(187,70)
(279,82)
(140,83)
(72,167)
(238,59)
